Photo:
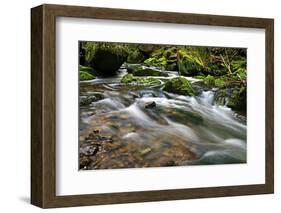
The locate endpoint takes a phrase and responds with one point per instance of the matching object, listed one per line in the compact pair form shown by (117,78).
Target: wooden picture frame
(43,105)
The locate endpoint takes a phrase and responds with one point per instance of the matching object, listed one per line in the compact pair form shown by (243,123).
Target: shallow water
(214,134)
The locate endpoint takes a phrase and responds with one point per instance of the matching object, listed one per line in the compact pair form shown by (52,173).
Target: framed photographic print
(136,106)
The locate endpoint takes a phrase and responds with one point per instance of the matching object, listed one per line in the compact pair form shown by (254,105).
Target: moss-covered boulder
(149,72)
(139,70)
(85,76)
(188,64)
(221,97)
(131,68)
(157,62)
(107,59)
(130,78)
(179,85)
(162,63)
(238,99)
(210,81)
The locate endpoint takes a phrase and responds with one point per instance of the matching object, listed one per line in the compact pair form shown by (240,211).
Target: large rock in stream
(179,85)
(140,70)
(130,78)
(108,59)
(238,99)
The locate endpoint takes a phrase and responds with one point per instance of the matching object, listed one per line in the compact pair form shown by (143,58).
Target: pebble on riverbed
(103,152)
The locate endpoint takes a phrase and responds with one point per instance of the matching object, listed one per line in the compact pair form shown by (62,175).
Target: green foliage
(179,85)
(89,48)
(239,69)
(191,61)
(84,76)
(129,78)
(170,53)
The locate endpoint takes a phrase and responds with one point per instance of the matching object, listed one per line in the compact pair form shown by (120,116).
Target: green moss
(107,58)
(135,57)
(220,83)
(131,68)
(148,81)
(158,62)
(170,53)
(139,70)
(179,85)
(209,81)
(238,99)
(85,68)
(220,98)
(172,67)
(129,78)
(149,72)
(190,62)
(199,76)
(84,76)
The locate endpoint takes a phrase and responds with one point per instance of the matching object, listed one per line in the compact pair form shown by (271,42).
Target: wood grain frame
(43,105)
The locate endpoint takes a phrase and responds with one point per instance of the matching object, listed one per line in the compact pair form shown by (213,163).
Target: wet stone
(150,105)
(89,150)
(87,100)
(84,162)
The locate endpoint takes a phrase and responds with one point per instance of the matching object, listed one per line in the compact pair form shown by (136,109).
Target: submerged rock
(179,85)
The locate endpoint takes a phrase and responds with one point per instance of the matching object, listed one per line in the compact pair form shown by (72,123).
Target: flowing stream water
(169,133)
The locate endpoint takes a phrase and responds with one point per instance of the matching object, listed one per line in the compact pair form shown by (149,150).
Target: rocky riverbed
(131,123)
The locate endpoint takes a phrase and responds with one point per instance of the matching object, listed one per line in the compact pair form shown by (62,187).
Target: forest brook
(161,105)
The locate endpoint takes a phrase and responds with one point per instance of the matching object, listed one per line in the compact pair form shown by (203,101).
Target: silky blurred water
(213,133)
